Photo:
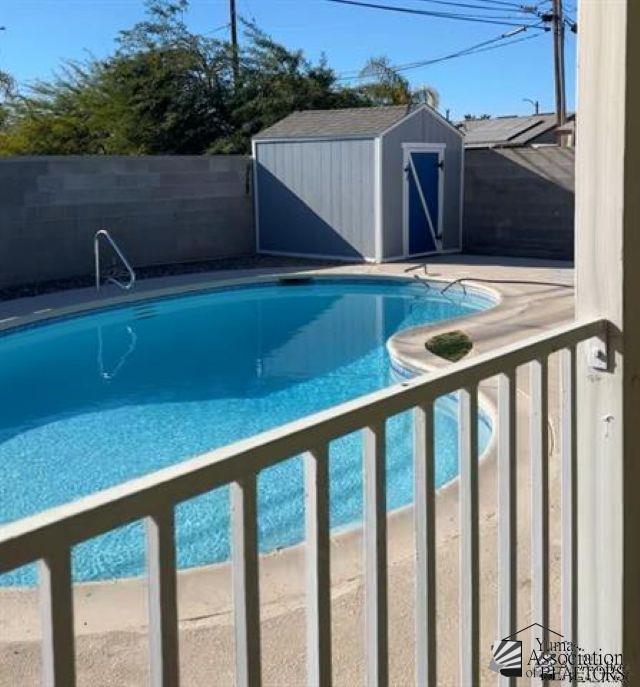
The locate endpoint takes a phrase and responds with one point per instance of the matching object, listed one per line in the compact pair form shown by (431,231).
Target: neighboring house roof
(363,121)
(508,131)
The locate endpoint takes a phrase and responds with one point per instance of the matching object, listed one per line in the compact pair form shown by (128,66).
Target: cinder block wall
(519,202)
(161,210)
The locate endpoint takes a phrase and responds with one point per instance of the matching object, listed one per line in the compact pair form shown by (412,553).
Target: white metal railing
(49,536)
(126,285)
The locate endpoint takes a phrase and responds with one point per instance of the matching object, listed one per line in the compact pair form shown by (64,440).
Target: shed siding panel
(425,128)
(317,197)
(392,183)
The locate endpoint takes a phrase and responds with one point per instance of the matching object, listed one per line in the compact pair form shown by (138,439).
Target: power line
(486,18)
(429,13)
(503,3)
(525,9)
(503,45)
(484,46)
(420,63)
(218,28)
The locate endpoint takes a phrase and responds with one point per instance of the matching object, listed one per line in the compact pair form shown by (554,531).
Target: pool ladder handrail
(453,282)
(126,286)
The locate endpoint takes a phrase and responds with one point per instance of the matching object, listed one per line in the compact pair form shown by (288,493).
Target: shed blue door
(423,184)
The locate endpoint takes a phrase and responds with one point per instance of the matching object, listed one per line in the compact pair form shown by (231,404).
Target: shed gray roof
(364,121)
(505,131)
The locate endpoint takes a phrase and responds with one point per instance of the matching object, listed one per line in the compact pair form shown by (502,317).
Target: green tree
(55,117)
(164,91)
(168,90)
(6,89)
(388,87)
(7,85)
(274,82)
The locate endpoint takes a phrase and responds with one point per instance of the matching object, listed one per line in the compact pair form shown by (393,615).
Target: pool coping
(13,323)
(95,601)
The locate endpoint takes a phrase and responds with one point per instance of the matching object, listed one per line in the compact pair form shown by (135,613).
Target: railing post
(569,502)
(375,555)
(318,567)
(507,507)
(163,604)
(424,513)
(608,282)
(56,617)
(539,438)
(246,587)
(469,534)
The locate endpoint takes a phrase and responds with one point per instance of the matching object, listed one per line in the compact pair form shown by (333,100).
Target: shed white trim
(379,239)
(326,137)
(256,205)
(429,110)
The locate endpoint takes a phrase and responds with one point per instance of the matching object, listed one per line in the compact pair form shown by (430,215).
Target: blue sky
(41,33)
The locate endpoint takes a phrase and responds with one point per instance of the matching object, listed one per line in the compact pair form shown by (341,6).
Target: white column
(608,284)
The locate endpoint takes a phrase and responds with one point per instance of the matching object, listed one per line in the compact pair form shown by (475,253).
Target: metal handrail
(96,251)
(460,281)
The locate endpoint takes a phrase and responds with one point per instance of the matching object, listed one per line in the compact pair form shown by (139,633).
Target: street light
(535,103)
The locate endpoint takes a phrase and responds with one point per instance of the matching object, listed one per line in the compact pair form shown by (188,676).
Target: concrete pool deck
(111,617)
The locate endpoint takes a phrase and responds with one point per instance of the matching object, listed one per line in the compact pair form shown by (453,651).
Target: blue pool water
(92,401)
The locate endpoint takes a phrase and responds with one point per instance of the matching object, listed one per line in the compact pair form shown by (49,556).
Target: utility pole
(558,62)
(234,41)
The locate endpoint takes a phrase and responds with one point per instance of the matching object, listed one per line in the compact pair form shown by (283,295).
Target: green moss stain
(451,346)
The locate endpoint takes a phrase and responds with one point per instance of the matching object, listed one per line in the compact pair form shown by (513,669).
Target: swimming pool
(91,401)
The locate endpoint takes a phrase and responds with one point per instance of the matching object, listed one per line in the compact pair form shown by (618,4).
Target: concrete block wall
(161,210)
(519,202)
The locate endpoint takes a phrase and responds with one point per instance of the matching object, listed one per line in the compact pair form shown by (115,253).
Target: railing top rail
(27,540)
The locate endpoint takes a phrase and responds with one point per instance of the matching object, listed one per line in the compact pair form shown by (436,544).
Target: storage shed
(372,184)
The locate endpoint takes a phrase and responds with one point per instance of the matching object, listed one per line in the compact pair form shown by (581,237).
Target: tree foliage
(275,81)
(6,89)
(386,86)
(165,90)
(168,90)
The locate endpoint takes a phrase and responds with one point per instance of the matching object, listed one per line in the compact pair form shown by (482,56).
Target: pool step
(145,312)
